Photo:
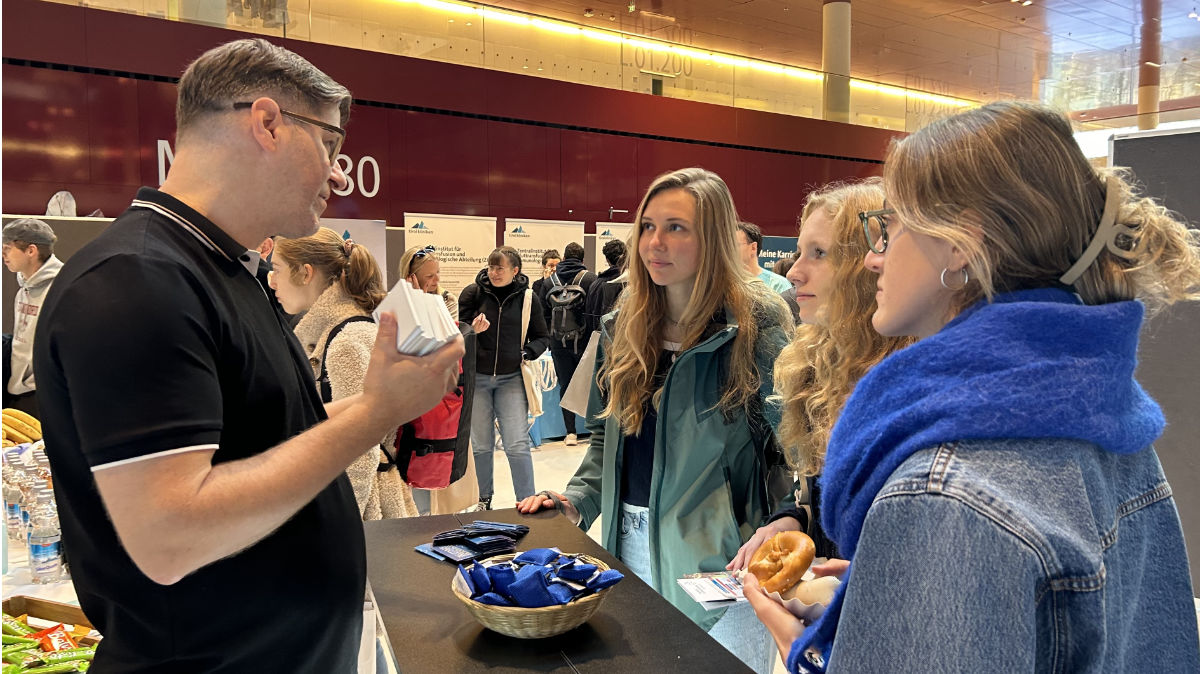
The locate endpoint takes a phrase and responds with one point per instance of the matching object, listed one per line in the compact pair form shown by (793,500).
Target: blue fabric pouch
(605,579)
(480,579)
(562,592)
(466,576)
(502,576)
(530,589)
(577,571)
(493,599)
(539,556)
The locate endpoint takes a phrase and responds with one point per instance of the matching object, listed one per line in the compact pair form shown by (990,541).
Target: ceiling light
(1027,3)
(589,13)
(1152,64)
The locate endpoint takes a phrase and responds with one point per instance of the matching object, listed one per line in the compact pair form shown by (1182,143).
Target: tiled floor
(553,465)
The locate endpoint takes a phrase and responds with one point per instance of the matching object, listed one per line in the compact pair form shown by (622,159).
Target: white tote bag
(529,368)
(575,398)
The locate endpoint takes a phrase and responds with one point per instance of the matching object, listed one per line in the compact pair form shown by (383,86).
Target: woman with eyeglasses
(677,413)
(421,268)
(336,284)
(833,348)
(995,484)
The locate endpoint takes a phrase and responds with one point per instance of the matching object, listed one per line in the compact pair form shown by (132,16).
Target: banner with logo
(775,248)
(370,233)
(531,238)
(605,232)
(462,242)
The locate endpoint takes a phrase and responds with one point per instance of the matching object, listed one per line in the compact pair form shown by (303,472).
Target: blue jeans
(501,398)
(739,630)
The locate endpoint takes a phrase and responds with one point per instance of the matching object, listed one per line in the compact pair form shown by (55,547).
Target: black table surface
(635,629)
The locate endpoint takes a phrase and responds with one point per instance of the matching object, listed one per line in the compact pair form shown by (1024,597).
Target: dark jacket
(505,316)
(602,296)
(566,272)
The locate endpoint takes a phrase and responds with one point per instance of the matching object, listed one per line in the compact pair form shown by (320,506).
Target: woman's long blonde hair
(816,372)
(1007,184)
(335,261)
(627,375)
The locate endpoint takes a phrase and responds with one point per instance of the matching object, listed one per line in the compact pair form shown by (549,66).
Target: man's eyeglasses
(875,228)
(332,145)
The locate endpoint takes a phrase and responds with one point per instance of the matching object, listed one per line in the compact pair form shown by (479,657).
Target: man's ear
(266,119)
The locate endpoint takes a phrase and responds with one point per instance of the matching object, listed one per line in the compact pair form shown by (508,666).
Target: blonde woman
(833,348)
(421,267)
(336,284)
(995,484)
(677,411)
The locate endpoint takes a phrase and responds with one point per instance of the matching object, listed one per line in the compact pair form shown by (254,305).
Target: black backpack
(568,315)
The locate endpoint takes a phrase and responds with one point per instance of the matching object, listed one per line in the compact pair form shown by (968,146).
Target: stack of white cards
(422,320)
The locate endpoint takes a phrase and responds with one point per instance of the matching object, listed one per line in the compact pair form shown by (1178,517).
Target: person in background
(995,483)
(28,253)
(567,350)
(833,348)
(604,292)
(334,285)
(420,266)
(550,260)
(678,413)
(782,266)
(200,482)
(749,241)
(493,307)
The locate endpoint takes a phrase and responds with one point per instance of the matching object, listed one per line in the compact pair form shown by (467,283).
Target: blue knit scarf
(1030,364)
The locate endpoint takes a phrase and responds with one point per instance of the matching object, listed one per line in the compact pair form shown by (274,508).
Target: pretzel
(781,561)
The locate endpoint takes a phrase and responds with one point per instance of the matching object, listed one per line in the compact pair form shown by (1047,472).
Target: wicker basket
(534,623)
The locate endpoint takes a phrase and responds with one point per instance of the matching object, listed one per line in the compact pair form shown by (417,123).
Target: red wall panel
(45,125)
(445,159)
(523,165)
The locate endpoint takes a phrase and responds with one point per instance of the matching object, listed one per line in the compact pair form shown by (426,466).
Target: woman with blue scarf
(994,484)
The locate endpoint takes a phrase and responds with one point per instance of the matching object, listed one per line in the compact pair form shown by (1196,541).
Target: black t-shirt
(637,456)
(157,338)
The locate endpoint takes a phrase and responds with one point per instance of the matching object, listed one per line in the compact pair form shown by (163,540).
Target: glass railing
(483,36)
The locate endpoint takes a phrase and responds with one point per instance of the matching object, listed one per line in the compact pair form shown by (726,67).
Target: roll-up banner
(531,238)
(775,248)
(605,232)
(370,233)
(462,243)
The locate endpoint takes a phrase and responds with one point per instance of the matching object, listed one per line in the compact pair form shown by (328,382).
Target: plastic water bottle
(12,496)
(45,543)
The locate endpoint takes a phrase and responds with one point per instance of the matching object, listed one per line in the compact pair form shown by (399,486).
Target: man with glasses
(200,482)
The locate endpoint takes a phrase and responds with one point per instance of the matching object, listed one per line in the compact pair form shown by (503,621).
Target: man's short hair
(505,253)
(573,251)
(614,252)
(26,232)
(753,233)
(551,254)
(243,70)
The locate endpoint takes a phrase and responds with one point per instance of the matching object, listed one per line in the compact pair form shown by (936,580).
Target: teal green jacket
(707,488)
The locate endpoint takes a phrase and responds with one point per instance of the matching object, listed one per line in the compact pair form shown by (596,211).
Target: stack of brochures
(422,321)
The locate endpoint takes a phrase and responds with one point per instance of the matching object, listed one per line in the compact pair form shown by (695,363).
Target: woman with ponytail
(336,284)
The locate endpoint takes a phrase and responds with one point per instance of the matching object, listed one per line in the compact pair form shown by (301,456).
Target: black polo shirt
(157,338)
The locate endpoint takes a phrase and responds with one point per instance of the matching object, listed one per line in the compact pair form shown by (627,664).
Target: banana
(23,428)
(23,417)
(15,435)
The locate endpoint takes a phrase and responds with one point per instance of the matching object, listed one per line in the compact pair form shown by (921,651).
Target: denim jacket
(1020,556)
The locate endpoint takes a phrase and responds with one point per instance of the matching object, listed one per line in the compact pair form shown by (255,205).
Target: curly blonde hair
(816,372)
(1007,184)
(627,374)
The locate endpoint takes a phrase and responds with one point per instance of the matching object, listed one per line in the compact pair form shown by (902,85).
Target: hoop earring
(942,278)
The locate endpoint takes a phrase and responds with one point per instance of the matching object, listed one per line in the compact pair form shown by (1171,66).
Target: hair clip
(1106,235)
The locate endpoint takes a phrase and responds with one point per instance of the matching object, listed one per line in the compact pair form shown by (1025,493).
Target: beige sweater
(379,495)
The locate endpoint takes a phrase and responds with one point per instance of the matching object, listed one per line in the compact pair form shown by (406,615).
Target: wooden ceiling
(976,49)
